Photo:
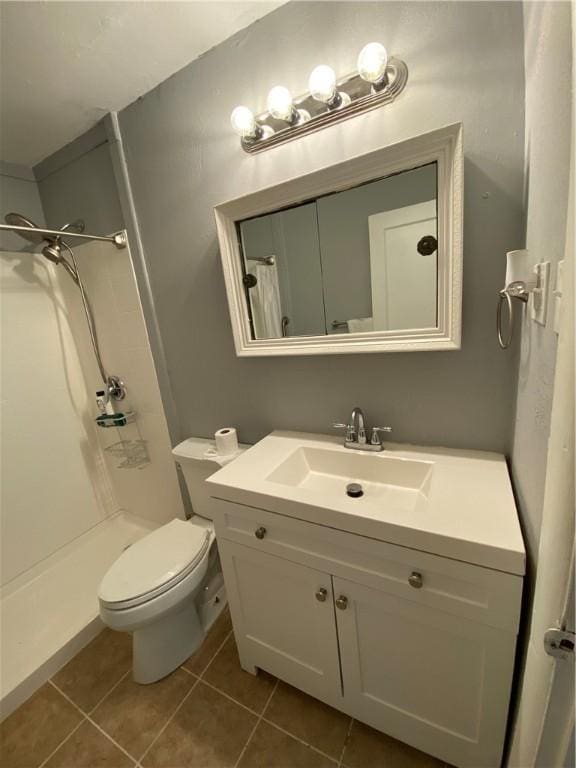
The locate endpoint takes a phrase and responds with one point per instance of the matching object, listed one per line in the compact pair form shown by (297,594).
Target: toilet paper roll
(226,441)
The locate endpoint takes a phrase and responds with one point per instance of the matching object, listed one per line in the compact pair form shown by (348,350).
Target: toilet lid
(156,561)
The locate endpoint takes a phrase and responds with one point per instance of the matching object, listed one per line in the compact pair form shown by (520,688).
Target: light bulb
(244,122)
(280,104)
(322,83)
(372,63)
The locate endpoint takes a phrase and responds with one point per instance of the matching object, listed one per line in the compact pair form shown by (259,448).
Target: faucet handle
(375,439)
(350,431)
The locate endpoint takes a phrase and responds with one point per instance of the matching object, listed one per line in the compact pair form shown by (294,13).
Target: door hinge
(559,643)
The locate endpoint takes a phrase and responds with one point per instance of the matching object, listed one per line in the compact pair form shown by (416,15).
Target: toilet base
(159,648)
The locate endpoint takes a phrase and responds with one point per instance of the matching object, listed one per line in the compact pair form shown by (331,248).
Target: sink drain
(354,490)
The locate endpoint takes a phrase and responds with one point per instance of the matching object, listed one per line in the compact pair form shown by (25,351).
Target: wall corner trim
(120,167)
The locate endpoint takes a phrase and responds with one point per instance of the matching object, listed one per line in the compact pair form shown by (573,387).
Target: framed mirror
(363,256)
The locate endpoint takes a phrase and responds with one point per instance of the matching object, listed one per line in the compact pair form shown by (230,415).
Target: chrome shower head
(53,251)
(53,248)
(17,220)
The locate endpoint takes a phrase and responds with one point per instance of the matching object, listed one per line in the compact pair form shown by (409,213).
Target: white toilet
(167,588)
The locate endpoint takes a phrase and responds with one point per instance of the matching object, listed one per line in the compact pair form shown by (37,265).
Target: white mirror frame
(443,146)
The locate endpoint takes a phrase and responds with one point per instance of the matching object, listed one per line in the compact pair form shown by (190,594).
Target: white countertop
(468,511)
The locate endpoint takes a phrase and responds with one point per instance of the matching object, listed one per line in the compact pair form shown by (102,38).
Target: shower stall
(73,496)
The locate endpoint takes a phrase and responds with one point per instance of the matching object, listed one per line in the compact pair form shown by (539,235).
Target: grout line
(167,723)
(216,652)
(119,746)
(222,644)
(192,674)
(61,744)
(116,684)
(232,699)
(93,722)
(297,738)
(346,740)
(258,721)
(68,699)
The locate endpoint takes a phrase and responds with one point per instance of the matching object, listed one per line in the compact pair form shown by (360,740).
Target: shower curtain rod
(119,238)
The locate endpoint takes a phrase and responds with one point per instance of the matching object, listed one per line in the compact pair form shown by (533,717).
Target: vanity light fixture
(378,81)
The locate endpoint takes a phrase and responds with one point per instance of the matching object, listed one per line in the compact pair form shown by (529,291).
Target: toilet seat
(155,564)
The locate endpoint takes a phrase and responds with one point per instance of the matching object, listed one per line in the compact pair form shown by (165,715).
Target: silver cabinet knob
(260,532)
(342,602)
(415,580)
(321,595)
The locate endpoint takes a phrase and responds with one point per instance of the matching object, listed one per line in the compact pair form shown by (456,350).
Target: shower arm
(119,239)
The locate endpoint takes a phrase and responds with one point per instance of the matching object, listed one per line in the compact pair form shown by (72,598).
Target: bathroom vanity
(400,606)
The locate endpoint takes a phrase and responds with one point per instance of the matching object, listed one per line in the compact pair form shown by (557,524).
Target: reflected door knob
(415,580)
(260,532)
(321,595)
(342,602)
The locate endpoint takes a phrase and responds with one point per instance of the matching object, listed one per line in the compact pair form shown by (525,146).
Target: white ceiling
(63,65)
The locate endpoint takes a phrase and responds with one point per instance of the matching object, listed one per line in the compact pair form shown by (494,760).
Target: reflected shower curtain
(266,307)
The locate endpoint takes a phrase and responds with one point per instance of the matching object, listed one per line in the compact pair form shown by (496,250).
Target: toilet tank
(196,467)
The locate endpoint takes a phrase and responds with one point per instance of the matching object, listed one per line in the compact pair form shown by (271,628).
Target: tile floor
(207,714)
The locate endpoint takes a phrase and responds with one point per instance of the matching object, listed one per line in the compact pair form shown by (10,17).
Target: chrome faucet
(355,435)
(357,421)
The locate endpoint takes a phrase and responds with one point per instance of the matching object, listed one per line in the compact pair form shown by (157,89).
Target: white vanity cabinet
(281,624)
(418,646)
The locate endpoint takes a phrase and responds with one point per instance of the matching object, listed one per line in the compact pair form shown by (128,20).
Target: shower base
(49,613)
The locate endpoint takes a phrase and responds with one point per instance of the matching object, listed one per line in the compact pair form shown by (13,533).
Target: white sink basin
(450,502)
(397,482)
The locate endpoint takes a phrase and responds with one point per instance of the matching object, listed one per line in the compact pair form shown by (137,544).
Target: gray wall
(548,61)
(18,193)
(77,182)
(466,63)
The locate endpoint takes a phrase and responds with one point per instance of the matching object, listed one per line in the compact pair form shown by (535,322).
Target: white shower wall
(152,491)
(55,485)
(57,481)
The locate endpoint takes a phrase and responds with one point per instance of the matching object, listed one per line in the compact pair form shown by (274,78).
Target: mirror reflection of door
(403,279)
(347,262)
(350,287)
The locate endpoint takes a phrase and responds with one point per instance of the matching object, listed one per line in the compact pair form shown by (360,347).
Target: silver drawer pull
(342,602)
(260,532)
(321,595)
(415,580)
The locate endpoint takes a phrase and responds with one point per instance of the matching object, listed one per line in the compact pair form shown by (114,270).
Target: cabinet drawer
(487,596)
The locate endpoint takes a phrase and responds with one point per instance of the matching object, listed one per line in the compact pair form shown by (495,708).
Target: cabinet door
(431,679)
(279,623)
